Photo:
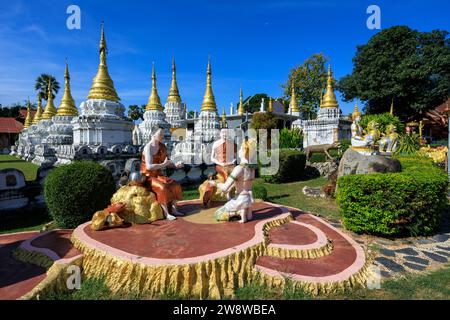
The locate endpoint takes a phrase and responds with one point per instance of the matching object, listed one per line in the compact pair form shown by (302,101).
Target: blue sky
(251,43)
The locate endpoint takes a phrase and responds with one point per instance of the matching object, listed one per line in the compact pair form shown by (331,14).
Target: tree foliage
(254,104)
(411,68)
(310,79)
(41,85)
(136,112)
(264,120)
(383,120)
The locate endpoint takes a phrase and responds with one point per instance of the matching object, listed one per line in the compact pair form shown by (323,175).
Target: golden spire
(102,84)
(209,103)
(241,110)
(154,103)
(293,105)
(50,109)
(270,108)
(38,114)
(356,112)
(67,106)
(224,115)
(29,118)
(174,95)
(392,107)
(329,99)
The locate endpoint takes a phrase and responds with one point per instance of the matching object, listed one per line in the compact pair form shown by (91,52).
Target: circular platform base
(195,256)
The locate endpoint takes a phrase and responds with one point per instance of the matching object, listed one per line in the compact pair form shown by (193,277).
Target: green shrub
(291,167)
(408,144)
(383,120)
(259,191)
(290,139)
(405,203)
(74,192)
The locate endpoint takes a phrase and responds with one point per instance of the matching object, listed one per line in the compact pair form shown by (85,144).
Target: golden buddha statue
(388,143)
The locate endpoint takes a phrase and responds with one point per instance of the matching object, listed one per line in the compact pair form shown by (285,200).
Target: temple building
(102,126)
(174,109)
(208,122)
(329,126)
(154,116)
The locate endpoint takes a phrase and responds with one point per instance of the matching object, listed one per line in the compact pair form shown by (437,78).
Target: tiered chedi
(174,109)
(154,115)
(102,125)
(329,127)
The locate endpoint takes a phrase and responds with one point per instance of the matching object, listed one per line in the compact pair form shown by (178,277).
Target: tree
(411,68)
(254,104)
(263,120)
(310,79)
(41,85)
(191,114)
(136,112)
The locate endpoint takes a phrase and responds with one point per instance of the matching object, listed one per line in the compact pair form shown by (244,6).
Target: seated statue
(368,140)
(154,159)
(357,131)
(242,178)
(389,142)
(223,154)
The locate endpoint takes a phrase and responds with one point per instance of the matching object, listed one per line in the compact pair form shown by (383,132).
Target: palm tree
(41,85)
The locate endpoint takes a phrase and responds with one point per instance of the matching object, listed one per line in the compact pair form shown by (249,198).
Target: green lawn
(29,169)
(434,285)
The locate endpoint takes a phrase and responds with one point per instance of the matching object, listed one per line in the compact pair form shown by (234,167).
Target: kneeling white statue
(242,178)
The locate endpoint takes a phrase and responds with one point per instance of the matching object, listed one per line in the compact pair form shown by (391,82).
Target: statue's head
(224,134)
(372,125)
(158,133)
(391,128)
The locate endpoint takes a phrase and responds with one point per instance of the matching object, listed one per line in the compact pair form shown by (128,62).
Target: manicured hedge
(405,203)
(291,167)
(74,192)
(259,191)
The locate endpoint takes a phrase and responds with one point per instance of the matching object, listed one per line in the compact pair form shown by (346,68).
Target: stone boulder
(324,169)
(353,162)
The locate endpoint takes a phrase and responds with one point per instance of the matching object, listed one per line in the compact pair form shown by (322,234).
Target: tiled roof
(10,125)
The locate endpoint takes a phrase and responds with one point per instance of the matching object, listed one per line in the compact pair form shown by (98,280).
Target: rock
(323,168)
(443,253)
(435,256)
(387,252)
(443,248)
(390,264)
(414,266)
(314,192)
(417,260)
(441,237)
(353,162)
(408,251)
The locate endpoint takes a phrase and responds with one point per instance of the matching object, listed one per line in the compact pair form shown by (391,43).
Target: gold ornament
(38,114)
(241,110)
(67,106)
(154,103)
(50,109)
(29,118)
(329,99)
(102,84)
(174,95)
(209,103)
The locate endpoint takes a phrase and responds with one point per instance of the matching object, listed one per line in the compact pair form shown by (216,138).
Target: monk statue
(154,160)
(388,143)
(242,178)
(223,154)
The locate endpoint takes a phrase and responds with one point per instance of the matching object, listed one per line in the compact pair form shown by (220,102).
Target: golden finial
(174,95)
(329,99)
(102,84)
(356,112)
(270,108)
(241,110)
(209,103)
(29,118)
(38,114)
(293,105)
(154,103)
(50,109)
(392,107)
(67,106)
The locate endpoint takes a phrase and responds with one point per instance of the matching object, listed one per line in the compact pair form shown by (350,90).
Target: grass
(28,169)
(290,194)
(434,285)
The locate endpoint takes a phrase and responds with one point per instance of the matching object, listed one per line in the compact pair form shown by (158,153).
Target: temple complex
(329,126)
